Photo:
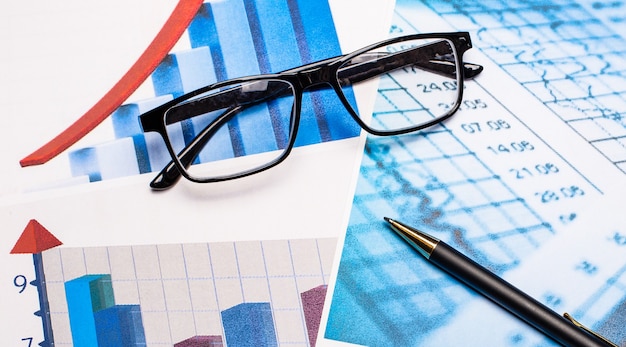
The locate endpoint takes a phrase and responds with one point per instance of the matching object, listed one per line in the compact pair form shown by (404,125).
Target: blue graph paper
(382,287)
(562,54)
(612,324)
(384,295)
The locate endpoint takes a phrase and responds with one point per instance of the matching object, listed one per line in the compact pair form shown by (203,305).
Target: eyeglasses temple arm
(426,57)
(170,174)
(225,99)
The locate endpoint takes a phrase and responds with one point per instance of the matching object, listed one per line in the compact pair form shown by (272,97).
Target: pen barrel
(510,298)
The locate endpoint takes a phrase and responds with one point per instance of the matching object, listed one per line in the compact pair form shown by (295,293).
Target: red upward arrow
(35,239)
(164,41)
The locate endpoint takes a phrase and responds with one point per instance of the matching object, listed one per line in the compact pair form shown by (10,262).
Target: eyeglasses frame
(305,77)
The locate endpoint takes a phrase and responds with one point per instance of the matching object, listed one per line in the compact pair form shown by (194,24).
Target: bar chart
(247,293)
(95,318)
(228,39)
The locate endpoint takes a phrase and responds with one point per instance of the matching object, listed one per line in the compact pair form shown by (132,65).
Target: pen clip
(578,324)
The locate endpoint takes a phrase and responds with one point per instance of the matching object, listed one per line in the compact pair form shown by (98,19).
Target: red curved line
(159,47)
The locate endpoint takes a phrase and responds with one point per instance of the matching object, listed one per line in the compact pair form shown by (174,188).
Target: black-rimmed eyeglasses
(433,61)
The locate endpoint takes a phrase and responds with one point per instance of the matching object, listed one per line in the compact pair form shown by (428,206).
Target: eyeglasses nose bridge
(315,76)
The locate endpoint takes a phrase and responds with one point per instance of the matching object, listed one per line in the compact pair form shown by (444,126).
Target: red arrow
(35,239)
(161,45)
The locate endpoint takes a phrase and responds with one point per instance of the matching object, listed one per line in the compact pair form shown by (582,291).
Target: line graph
(482,181)
(562,54)
(590,286)
(506,226)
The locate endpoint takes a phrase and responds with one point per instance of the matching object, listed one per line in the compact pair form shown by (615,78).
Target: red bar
(201,341)
(312,305)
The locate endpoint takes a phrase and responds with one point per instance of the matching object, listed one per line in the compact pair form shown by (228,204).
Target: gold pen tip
(421,241)
(395,224)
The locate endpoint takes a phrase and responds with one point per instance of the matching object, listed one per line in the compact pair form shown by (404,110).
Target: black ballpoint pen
(565,331)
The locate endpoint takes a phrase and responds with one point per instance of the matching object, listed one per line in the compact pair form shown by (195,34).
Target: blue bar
(274,37)
(235,38)
(184,71)
(84,295)
(203,33)
(318,40)
(220,146)
(224,27)
(125,118)
(277,49)
(237,46)
(165,79)
(112,159)
(120,326)
(83,162)
(126,124)
(249,325)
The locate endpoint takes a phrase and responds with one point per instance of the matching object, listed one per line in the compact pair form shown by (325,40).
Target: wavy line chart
(472,181)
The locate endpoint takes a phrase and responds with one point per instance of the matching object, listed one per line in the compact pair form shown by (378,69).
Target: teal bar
(86,295)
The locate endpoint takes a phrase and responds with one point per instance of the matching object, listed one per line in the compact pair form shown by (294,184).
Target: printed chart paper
(94,197)
(535,144)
